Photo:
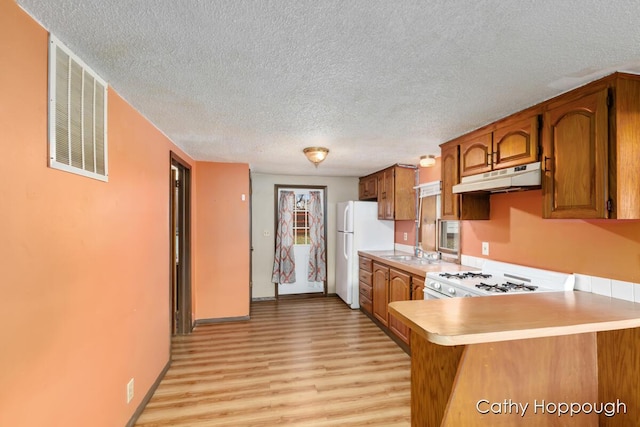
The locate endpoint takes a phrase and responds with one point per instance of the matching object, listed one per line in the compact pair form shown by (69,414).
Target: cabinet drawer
(366,290)
(365,303)
(365,277)
(365,264)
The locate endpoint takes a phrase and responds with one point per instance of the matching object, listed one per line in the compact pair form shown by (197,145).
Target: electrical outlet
(266,233)
(405,236)
(130,390)
(485,248)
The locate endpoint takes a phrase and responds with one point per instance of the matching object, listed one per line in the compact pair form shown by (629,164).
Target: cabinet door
(404,179)
(450,204)
(371,187)
(515,143)
(385,194)
(368,188)
(382,195)
(399,290)
(575,158)
(380,292)
(475,154)
(417,288)
(389,188)
(365,298)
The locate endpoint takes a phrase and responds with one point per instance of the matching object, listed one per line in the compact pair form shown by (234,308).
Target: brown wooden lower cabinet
(417,287)
(365,284)
(366,304)
(399,290)
(387,285)
(381,293)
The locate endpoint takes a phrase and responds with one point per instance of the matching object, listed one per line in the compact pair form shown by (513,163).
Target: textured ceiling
(376,81)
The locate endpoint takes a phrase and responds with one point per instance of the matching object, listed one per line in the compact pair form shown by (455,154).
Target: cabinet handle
(489,158)
(544,166)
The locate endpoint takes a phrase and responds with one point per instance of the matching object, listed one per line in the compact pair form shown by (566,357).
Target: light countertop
(461,321)
(419,270)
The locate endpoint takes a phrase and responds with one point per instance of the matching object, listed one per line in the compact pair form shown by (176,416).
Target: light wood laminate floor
(310,362)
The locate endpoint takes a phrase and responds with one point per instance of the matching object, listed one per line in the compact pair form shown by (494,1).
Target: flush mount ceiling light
(427,161)
(316,154)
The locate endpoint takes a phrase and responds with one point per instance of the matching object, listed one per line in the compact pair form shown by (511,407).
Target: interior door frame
(323,188)
(180,312)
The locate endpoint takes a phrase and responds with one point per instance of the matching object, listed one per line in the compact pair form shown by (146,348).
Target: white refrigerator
(358,229)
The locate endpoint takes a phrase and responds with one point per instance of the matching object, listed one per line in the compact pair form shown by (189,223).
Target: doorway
(302,231)
(180,245)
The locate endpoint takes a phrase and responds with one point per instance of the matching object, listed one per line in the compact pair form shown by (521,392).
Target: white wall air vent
(77,115)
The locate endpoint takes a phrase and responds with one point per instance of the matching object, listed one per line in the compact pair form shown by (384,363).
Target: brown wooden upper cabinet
(386,194)
(575,157)
(516,142)
(513,141)
(449,202)
(393,189)
(475,153)
(591,151)
(458,206)
(368,187)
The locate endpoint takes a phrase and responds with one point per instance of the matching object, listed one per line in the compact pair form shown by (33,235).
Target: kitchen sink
(402,257)
(423,261)
(410,259)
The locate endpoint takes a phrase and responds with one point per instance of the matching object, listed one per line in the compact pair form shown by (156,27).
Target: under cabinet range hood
(521,177)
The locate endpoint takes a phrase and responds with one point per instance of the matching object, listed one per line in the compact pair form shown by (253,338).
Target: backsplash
(608,287)
(404,248)
(597,285)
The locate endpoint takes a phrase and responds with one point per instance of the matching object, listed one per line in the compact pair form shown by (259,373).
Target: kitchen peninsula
(549,359)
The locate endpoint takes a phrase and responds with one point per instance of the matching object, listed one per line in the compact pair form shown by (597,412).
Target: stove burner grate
(506,287)
(492,288)
(521,287)
(465,275)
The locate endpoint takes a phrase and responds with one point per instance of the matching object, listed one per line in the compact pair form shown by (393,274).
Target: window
(77,115)
(301,219)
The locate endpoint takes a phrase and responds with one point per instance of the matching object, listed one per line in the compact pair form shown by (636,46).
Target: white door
(301,246)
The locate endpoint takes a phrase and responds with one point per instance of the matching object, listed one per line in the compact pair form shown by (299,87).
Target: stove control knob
(452,291)
(437,285)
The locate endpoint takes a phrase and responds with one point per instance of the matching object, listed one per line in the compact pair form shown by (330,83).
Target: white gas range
(495,278)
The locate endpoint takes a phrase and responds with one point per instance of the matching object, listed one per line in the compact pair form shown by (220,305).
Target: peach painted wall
(517,233)
(85,264)
(222,269)
(408,227)
(430,174)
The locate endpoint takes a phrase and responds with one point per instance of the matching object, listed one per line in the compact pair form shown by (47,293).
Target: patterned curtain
(317,253)
(284,266)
